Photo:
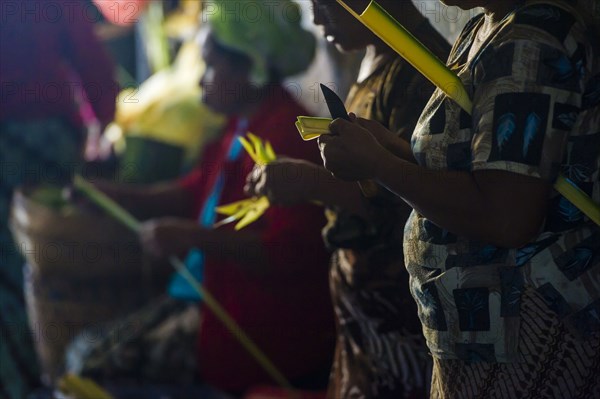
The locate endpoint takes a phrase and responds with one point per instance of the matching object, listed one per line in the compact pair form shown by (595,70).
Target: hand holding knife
(338,110)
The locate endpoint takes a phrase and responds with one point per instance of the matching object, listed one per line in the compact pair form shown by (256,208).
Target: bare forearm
(333,192)
(464,204)
(244,248)
(402,149)
(395,142)
(149,201)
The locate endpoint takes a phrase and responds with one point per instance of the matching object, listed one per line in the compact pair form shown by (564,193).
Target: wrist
(313,182)
(380,164)
(389,143)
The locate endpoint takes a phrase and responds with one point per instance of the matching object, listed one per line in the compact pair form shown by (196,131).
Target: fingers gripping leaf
(249,210)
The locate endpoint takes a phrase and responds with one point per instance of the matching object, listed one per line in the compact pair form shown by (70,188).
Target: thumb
(337,126)
(380,132)
(366,123)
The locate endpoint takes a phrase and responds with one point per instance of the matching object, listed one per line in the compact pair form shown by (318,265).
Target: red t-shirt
(287,312)
(49,55)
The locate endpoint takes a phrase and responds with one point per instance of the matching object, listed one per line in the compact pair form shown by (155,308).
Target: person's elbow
(515,207)
(516,232)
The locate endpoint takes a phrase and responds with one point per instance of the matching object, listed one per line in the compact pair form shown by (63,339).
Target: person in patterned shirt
(380,350)
(503,268)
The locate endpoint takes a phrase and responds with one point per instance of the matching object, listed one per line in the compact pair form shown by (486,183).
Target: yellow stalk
(249,149)
(404,43)
(270,152)
(234,207)
(81,388)
(232,326)
(124,217)
(254,213)
(578,198)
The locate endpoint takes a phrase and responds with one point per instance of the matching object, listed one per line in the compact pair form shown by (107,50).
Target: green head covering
(267,31)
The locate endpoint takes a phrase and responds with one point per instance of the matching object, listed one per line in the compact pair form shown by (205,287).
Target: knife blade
(334,103)
(338,110)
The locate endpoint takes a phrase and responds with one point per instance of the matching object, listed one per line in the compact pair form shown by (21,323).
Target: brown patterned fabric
(555,364)
(380,350)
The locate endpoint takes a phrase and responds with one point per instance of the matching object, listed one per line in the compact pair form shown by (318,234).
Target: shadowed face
(225,83)
(340,27)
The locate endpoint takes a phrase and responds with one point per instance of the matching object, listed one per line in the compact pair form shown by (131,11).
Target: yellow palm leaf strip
(233,218)
(311,128)
(382,24)
(270,152)
(82,388)
(578,198)
(259,208)
(234,207)
(249,149)
(259,148)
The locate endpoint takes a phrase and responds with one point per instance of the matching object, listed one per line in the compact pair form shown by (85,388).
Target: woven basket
(74,244)
(60,308)
(83,270)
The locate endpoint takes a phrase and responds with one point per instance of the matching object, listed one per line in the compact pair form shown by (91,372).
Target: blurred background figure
(271,277)
(158,114)
(53,72)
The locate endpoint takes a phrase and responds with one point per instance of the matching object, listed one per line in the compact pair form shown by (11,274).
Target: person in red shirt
(271,277)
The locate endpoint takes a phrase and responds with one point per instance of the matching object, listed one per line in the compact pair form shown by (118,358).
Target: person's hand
(351,152)
(285,181)
(97,147)
(385,137)
(168,236)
